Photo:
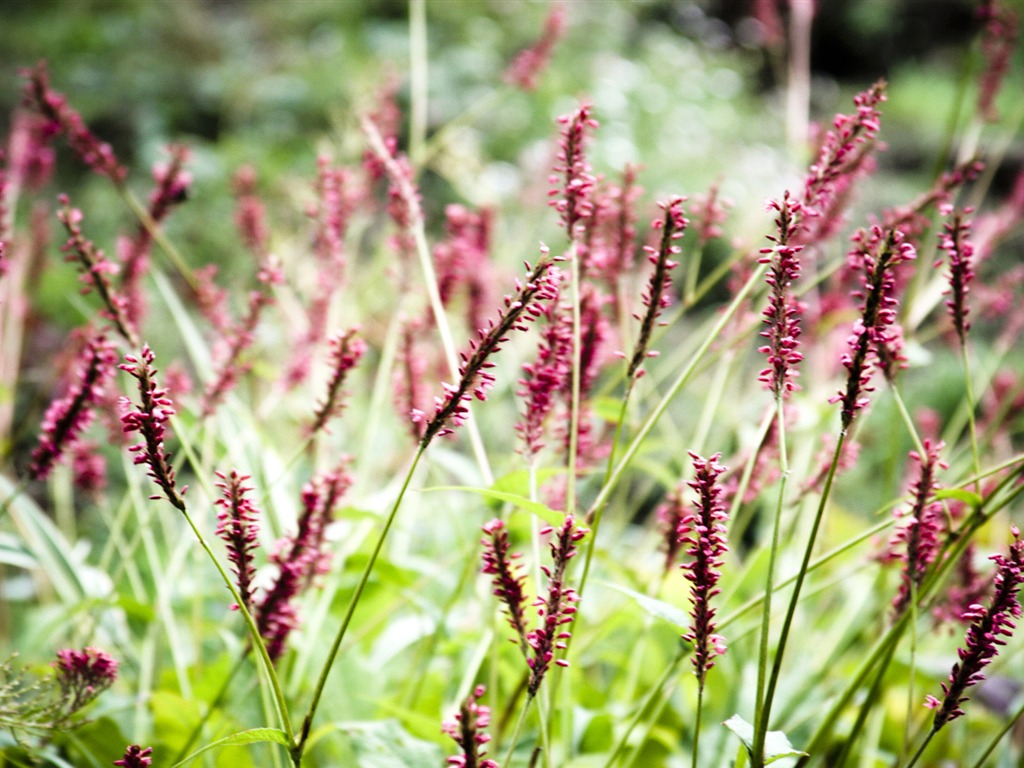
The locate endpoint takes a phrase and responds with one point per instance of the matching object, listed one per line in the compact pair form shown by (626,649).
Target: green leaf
(608,409)
(970,498)
(776,745)
(385,744)
(242,738)
(544,512)
(657,608)
(518,482)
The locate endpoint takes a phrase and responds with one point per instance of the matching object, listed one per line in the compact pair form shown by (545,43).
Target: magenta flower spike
(703,533)
(236,526)
(916,543)
(984,636)
(62,119)
(468,729)
(96,271)
(556,610)
(657,296)
(346,351)
(782,316)
(998,41)
(670,517)
(171,188)
(136,757)
(475,379)
(299,558)
(150,420)
(572,183)
(546,376)
(526,68)
(955,240)
(841,158)
(876,339)
(83,675)
(508,577)
(68,417)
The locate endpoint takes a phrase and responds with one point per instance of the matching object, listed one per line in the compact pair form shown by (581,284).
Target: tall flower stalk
(702,532)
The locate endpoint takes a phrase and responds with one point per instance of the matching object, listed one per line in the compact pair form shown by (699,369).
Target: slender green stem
(999,737)
(757,758)
(221,694)
(155,231)
(517,732)
(681,380)
(254,633)
(969,396)
(696,726)
(769,586)
(920,749)
(418,76)
(577,356)
(656,690)
(332,654)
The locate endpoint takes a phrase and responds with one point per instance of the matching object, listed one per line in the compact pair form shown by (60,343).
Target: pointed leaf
(544,512)
(252,736)
(970,498)
(776,745)
(657,608)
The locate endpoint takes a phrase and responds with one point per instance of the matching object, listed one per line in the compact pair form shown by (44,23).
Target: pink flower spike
(572,181)
(658,293)
(96,271)
(782,316)
(150,420)
(62,119)
(236,526)
(508,578)
(703,533)
(876,338)
(136,757)
(468,730)
(69,416)
(557,609)
(346,351)
(985,635)
(526,68)
(83,675)
(475,379)
(955,240)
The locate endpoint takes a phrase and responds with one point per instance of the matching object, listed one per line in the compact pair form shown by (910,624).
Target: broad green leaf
(242,738)
(960,494)
(385,744)
(657,608)
(776,745)
(544,512)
